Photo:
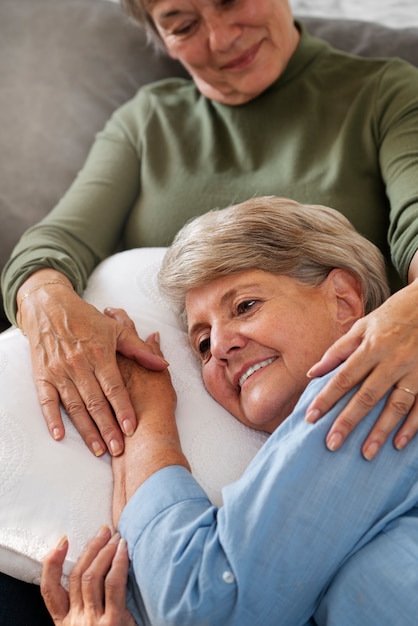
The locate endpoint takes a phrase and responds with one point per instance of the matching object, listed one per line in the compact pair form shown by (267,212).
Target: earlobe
(348,296)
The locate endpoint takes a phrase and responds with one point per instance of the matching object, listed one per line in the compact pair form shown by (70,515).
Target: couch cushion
(65,65)
(366,38)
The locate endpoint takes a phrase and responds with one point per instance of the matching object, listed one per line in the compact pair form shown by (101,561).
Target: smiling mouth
(243,60)
(254,368)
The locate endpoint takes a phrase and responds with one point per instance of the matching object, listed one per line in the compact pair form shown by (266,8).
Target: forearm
(155,443)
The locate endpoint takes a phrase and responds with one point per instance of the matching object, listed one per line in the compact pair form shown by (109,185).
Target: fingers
(142,352)
(339,351)
(55,596)
(84,562)
(356,368)
(49,401)
(115,583)
(98,581)
(97,584)
(92,577)
(91,400)
(400,403)
(76,364)
(120,316)
(401,406)
(409,428)
(377,380)
(122,418)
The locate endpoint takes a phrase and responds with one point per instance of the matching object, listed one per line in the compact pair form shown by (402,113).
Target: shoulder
(169,92)
(162,100)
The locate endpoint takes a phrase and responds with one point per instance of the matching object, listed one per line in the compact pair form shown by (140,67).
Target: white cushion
(49,489)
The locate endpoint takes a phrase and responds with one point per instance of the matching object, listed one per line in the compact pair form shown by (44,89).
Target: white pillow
(48,488)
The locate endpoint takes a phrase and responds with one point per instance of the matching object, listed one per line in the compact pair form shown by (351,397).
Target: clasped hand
(97,584)
(74,359)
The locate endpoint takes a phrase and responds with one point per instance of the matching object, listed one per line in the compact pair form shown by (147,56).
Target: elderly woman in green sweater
(267,110)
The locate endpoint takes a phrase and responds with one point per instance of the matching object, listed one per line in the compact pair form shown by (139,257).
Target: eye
(245,306)
(184,29)
(203,347)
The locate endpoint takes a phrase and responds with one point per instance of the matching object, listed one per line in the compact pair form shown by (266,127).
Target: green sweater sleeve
(87,223)
(397,122)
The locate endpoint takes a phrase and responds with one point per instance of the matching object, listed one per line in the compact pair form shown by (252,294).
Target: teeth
(253,369)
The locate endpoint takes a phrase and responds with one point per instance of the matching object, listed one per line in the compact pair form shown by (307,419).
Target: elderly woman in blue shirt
(305,536)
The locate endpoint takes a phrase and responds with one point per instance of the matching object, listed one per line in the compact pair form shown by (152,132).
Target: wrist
(149,450)
(37,282)
(40,276)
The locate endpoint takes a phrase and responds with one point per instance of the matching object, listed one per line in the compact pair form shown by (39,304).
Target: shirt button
(228,577)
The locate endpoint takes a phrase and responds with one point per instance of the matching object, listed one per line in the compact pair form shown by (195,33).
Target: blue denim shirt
(305,536)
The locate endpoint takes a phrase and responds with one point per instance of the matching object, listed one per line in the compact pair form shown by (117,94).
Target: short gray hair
(277,235)
(138,11)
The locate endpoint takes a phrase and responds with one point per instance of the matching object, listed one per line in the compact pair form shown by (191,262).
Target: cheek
(312,338)
(218,387)
(192,55)
(208,378)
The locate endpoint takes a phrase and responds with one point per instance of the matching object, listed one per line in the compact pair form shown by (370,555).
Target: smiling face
(257,334)
(233,49)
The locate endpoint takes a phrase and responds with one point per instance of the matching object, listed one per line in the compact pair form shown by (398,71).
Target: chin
(266,426)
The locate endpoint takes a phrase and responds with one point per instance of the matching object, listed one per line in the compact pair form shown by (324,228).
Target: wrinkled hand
(97,587)
(73,351)
(381,352)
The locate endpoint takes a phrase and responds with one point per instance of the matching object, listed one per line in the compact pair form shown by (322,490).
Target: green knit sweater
(334,129)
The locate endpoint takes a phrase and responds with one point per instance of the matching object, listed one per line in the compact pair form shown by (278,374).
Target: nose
(225,341)
(222,32)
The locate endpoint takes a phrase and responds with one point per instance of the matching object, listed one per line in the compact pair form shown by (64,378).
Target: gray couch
(65,65)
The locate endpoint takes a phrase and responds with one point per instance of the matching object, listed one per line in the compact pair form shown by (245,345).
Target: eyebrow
(168,14)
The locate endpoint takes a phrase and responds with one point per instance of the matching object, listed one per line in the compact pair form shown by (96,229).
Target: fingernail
(128,427)
(312,415)
(334,441)
(56,433)
(104,530)
(115,538)
(370,452)
(62,543)
(401,442)
(97,448)
(122,545)
(115,447)
(157,337)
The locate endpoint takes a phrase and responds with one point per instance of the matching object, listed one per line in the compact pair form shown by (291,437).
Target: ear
(347,291)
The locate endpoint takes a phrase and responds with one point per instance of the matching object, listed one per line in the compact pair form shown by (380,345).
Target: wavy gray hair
(273,234)
(138,11)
